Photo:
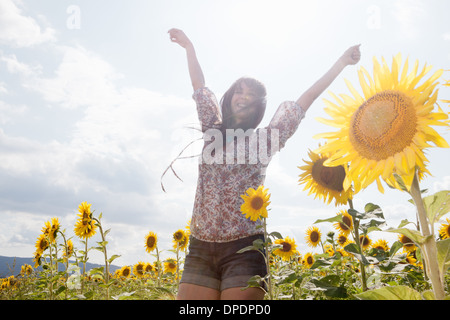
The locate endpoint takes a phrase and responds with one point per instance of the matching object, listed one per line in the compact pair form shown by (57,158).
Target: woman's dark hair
(258,107)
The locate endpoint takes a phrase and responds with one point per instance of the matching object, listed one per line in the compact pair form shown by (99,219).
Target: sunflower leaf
(437,205)
(276,234)
(443,254)
(328,285)
(249,248)
(337,218)
(394,248)
(353,249)
(115,256)
(390,293)
(414,235)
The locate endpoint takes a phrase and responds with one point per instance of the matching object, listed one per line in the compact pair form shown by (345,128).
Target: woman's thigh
(239,294)
(188,291)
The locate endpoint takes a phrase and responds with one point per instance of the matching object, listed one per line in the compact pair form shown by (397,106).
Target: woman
(213,269)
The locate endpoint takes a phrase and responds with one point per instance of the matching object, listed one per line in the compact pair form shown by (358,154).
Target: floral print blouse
(216,215)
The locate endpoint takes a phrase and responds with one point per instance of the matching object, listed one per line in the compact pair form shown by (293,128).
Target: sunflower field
(382,136)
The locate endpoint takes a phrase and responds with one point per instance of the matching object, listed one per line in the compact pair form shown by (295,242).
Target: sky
(95,103)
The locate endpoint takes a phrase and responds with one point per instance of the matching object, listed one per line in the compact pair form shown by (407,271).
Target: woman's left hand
(351,56)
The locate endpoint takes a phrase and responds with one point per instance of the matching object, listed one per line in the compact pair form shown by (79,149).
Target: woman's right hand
(178,36)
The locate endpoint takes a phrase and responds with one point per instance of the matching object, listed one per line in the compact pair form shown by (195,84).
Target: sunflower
(328,248)
(308,260)
(139,269)
(411,257)
(288,250)
(365,241)
(149,268)
(54,229)
(85,226)
(68,252)
(346,225)
(381,244)
(170,266)
(41,243)
(50,229)
(343,239)
(125,271)
(384,131)
(180,239)
(85,210)
(324,182)
(444,230)
(255,203)
(26,270)
(313,235)
(188,227)
(37,258)
(150,241)
(408,244)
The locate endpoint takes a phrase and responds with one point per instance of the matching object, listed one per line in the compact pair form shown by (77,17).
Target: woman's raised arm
(195,71)
(350,56)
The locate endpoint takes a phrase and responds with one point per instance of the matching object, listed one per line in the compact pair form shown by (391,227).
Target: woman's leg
(238,294)
(188,291)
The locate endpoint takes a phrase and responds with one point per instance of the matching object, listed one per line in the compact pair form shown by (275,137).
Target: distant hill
(7,263)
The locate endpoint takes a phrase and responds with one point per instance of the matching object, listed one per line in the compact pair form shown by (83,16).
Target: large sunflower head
(287,250)
(313,236)
(325,182)
(255,203)
(150,241)
(385,130)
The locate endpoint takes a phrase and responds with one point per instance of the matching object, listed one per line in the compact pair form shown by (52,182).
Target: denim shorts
(217,265)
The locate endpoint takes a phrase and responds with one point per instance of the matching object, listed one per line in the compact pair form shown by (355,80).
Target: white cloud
(19,30)
(16,67)
(442,184)
(409,14)
(113,157)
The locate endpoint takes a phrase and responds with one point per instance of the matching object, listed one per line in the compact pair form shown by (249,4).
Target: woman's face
(242,98)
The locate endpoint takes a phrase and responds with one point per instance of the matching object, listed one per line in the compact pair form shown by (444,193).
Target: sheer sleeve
(286,121)
(207,108)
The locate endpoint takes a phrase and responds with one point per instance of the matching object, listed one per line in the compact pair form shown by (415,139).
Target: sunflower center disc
(150,242)
(314,236)
(329,177)
(383,125)
(286,247)
(257,203)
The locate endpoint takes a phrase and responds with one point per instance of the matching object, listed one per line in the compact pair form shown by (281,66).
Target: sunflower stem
(269,279)
(51,270)
(84,265)
(429,246)
(158,267)
(103,246)
(358,244)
